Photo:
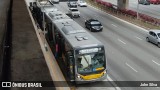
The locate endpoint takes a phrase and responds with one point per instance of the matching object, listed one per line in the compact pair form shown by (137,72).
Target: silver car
(74,12)
(154,37)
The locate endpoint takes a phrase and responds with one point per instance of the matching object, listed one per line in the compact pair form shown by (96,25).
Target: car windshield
(74,9)
(72,2)
(43,2)
(89,63)
(158,35)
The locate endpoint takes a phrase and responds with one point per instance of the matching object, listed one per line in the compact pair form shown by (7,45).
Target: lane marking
(110,79)
(83,18)
(138,38)
(121,41)
(156,62)
(113,25)
(131,67)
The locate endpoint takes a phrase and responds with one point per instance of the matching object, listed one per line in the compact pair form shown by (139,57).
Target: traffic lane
(150,7)
(130,42)
(130,33)
(151,10)
(116,69)
(113,55)
(112,21)
(145,10)
(119,69)
(62,6)
(97,13)
(130,66)
(103,36)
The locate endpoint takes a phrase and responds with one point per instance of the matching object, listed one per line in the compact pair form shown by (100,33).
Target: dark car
(93,25)
(144,2)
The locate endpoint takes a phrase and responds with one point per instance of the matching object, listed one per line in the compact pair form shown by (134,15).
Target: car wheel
(91,29)
(147,39)
(158,44)
(85,25)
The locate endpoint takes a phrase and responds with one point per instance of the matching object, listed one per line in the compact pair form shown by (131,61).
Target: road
(130,57)
(151,10)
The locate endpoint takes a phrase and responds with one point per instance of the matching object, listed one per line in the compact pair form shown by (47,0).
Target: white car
(82,3)
(154,37)
(74,12)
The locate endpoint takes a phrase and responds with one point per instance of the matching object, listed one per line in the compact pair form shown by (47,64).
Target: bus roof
(76,35)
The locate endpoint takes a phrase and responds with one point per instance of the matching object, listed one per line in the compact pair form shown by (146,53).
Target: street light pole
(138,10)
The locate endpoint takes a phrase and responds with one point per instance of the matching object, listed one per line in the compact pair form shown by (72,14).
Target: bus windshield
(90,63)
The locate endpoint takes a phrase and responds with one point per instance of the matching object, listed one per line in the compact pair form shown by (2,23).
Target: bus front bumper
(80,80)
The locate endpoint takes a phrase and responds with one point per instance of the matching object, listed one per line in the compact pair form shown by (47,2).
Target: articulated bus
(82,53)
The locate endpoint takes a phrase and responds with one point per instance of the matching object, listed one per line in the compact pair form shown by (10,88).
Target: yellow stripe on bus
(97,69)
(92,76)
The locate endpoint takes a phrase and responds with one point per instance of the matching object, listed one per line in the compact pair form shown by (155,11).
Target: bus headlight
(78,76)
(105,72)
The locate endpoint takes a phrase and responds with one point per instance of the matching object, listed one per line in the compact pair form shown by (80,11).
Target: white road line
(131,67)
(83,18)
(110,79)
(138,38)
(113,25)
(156,62)
(121,41)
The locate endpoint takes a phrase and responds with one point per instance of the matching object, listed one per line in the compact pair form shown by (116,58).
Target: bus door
(70,65)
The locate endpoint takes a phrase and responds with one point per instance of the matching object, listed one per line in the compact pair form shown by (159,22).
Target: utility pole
(138,10)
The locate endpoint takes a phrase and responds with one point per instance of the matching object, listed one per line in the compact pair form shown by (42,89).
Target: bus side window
(49,29)
(56,35)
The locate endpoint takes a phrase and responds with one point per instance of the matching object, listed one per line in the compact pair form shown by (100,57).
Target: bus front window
(90,63)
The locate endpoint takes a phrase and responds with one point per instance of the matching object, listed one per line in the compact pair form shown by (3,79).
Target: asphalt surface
(151,10)
(130,57)
(27,60)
